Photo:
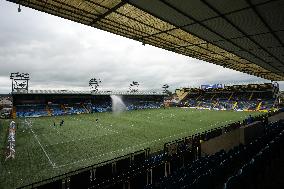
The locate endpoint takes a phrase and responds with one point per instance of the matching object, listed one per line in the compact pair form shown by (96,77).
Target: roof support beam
(211,18)
(179,47)
(148,25)
(264,22)
(215,32)
(194,52)
(111,10)
(244,33)
(213,42)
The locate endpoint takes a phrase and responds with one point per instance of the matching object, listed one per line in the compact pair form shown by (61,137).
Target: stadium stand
(101,107)
(252,97)
(38,103)
(31,110)
(56,110)
(5,106)
(240,167)
(75,109)
(208,171)
(143,105)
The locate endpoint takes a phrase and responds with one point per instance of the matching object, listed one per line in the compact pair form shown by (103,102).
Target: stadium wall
(228,140)
(225,142)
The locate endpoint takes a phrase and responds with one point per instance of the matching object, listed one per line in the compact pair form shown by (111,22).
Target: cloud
(62,54)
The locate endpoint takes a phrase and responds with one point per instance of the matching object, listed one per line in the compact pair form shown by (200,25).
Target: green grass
(81,141)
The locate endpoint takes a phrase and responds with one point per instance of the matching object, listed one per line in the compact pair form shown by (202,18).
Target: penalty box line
(46,154)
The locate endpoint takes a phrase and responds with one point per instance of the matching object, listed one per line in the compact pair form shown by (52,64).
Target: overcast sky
(60,54)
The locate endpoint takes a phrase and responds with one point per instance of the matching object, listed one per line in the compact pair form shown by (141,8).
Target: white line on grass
(80,139)
(36,137)
(57,131)
(100,126)
(131,147)
(120,150)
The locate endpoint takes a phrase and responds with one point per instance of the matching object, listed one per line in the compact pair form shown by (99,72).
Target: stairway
(235,105)
(258,106)
(198,97)
(48,110)
(215,104)
(230,96)
(14,112)
(182,95)
(87,110)
(63,107)
(199,103)
(213,97)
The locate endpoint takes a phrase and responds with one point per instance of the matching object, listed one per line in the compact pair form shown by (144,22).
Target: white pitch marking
(80,139)
(102,155)
(124,149)
(107,129)
(36,137)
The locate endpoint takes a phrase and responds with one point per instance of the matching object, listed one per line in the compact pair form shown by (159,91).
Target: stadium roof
(73,92)
(243,35)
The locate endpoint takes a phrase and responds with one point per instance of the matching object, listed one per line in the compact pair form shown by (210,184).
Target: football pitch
(44,150)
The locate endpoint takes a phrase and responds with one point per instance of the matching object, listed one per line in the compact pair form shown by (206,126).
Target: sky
(61,54)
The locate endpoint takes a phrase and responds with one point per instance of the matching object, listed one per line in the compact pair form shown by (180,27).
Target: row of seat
(144,105)
(243,161)
(229,105)
(31,110)
(266,150)
(187,150)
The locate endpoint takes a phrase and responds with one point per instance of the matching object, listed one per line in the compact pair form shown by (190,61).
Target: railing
(99,173)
